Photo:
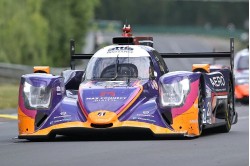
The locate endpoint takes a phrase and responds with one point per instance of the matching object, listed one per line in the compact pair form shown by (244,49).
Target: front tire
(200,112)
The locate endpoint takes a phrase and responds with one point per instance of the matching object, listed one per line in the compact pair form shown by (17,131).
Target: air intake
(101,125)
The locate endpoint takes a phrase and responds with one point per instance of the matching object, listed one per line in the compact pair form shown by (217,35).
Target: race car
(126,87)
(242,76)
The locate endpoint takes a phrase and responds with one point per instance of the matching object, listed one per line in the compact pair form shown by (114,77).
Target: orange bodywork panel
(102,117)
(205,67)
(188,121)
(41,69)
(186,124)
(25,123)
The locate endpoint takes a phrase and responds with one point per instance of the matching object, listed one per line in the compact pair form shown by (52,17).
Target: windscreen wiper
(116,68)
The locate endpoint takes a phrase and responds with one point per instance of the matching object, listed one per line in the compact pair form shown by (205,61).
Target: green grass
(8,96)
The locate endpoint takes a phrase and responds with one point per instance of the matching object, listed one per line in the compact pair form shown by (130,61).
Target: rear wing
(230,55)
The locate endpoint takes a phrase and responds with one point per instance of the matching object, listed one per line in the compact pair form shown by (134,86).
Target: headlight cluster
(36,97)
(174,94)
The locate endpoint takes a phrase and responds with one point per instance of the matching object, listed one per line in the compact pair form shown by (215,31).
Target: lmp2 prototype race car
(127,87)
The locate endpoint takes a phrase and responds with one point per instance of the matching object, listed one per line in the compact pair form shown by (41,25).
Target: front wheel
(200,112)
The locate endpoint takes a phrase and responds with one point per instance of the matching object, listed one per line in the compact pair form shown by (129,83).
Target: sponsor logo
(144,114)
(63,117)
(208,93)
(193,121)
(58,89)
(145,119)
(107,94)
(121,49)
(105,98)
(63,113)
(217,81)
(101,113)
(154,85)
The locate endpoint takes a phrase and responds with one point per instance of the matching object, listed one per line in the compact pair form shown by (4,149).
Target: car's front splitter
(83,128)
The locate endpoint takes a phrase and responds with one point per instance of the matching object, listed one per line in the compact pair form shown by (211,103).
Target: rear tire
(228,112)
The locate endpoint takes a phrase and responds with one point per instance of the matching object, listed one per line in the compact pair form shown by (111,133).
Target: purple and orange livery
(127,86)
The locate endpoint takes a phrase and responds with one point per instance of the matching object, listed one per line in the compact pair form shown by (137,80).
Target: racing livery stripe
(129,102)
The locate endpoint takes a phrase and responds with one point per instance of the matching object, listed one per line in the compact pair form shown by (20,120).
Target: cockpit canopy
(112,68)
(119,63)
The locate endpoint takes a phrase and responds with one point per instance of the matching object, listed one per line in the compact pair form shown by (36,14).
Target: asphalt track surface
(210,149)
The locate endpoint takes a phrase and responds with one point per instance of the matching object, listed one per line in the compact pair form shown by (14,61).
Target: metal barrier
(15,71)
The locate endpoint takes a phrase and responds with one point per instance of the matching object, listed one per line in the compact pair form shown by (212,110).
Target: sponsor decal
(111,93)
(193,121)
(121,49)
(63,113)
(204,116)
(217,81)
(145,114)
(154,85)
(105,98)
(146,119)
(112,84)
(196,106)
(101,113)
(208,92)
(63,117)
(209,113)
(58,89)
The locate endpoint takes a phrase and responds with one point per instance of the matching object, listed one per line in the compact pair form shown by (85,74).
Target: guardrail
(15,71)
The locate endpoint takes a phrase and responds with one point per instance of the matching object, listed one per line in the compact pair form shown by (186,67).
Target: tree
(38,32)
(21,36)
(175,13)
(66,20)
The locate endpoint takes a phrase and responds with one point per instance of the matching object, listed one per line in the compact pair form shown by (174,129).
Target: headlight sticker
(174,94)
(36,97)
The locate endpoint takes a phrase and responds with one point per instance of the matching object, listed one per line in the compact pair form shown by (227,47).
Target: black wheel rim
(230,106)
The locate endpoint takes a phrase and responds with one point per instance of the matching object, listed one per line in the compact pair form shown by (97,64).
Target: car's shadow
(108,137)
(139,136)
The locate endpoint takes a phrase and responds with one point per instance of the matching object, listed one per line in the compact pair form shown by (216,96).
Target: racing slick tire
(228,112)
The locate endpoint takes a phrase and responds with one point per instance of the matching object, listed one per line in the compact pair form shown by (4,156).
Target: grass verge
(8,96)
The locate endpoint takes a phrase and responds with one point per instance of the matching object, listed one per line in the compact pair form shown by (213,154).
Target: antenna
(72,53)
(127,33)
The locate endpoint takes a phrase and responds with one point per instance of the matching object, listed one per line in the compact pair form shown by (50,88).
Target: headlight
(174,94)
(241,81)
(36,97)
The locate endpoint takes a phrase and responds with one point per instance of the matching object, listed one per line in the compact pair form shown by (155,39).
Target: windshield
(243,63)
(117,68)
